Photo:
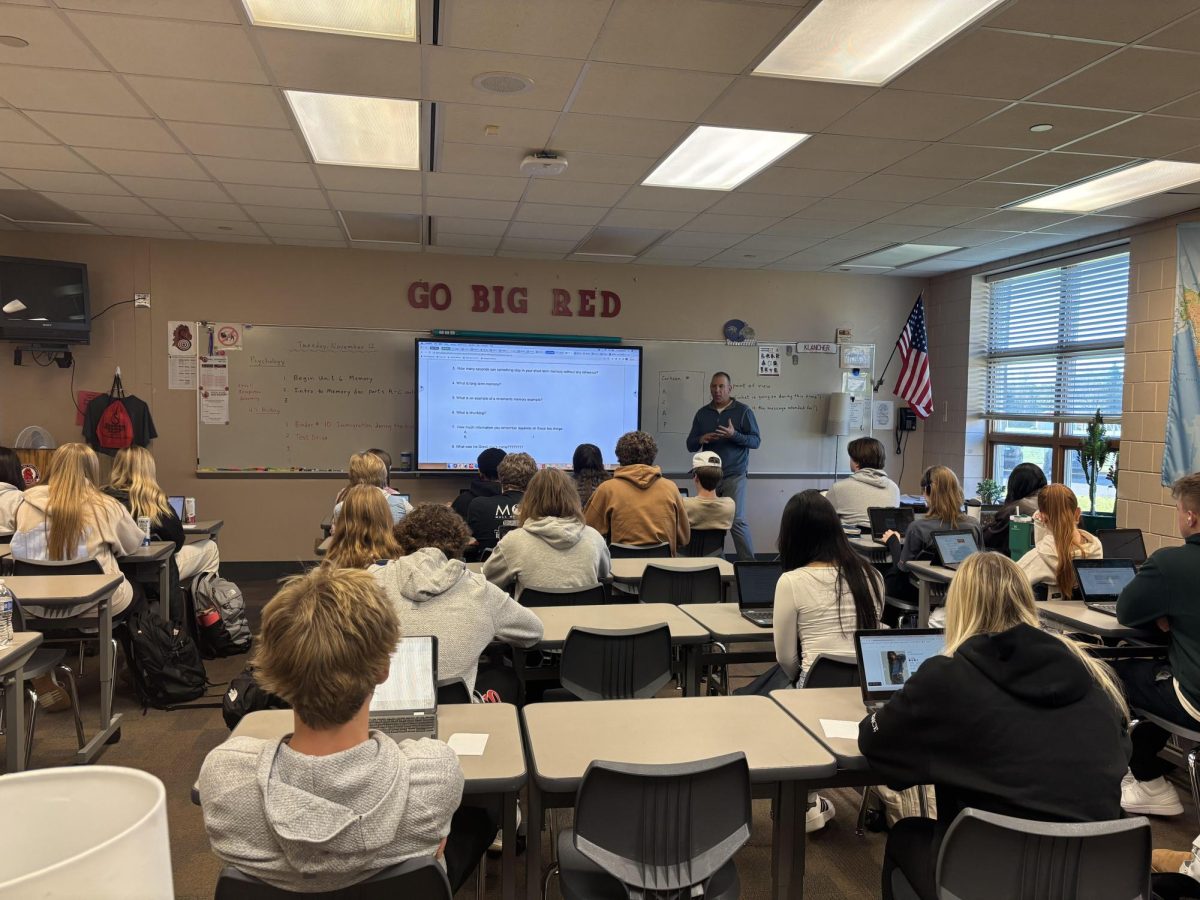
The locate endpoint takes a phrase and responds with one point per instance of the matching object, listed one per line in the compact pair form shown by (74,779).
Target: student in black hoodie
(486,485)
(487,515)
(1011,719)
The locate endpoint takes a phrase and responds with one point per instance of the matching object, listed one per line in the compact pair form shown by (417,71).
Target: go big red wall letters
(498,299)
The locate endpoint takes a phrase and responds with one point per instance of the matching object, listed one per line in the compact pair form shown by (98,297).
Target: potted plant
(990,492)
(1092,453)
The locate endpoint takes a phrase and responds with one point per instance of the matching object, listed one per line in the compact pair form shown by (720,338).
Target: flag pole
(883,373)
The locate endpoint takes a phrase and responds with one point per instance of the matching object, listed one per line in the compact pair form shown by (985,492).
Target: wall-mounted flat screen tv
(44,301)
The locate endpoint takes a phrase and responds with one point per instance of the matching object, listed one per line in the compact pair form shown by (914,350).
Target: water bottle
(144,524)
(6,614)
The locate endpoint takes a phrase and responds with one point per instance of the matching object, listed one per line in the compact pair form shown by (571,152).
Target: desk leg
(508,855)
(14,721)
(923,592)
(788,841)
(533,844)
(691,669)
(108,722)
(164,589)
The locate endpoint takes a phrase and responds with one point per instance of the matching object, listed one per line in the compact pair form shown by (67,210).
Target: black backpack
(164,662)
(245,695)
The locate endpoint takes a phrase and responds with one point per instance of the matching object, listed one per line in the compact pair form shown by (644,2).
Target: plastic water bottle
(144,524)
(6,614)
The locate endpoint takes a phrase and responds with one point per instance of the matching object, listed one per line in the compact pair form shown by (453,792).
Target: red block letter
(518,300)
(418,295)
(562,302)
(439,297)
(612,305)
(481,301)
(586,307)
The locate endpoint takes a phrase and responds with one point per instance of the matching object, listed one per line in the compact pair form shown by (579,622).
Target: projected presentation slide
(890,660)
(540,399)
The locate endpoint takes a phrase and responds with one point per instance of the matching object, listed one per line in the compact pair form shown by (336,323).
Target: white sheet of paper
(466,744)
(838,728)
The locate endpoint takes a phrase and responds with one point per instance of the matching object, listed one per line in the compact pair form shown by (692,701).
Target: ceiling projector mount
(542,163)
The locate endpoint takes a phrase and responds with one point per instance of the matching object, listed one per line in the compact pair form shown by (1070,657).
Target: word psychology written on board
(498,299)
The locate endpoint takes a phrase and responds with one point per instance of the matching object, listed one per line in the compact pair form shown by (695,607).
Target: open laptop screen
(412,679)
(177,505)
(954,546)
(889,518)
(756,583)
(887,658)
(1103,579)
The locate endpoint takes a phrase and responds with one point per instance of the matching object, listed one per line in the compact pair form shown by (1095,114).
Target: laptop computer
(405,706)
(176,504)
(888,657)
(1123,543)
(889,518)
(756,590)
(1101,581)
(950,548)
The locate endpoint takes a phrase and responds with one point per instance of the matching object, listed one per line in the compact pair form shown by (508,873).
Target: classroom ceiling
(165,119)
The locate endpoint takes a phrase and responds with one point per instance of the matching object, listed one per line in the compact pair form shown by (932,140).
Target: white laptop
(889,657)
(405,706)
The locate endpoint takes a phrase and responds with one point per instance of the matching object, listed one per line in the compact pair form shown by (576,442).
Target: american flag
(913,385)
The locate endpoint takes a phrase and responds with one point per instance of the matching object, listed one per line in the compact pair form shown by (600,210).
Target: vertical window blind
(1056,342)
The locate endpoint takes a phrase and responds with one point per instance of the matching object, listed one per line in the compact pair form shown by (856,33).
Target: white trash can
(89,831)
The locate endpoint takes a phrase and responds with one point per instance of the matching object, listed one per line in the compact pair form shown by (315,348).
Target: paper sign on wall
(181,373)
(768,359)
(181,338)
(227,337)
(883,415)
(214,390)
(815,347)
(857,412)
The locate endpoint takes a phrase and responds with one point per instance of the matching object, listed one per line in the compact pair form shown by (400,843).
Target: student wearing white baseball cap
(706,510)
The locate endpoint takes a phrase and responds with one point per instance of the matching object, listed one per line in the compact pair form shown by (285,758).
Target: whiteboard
(304,399)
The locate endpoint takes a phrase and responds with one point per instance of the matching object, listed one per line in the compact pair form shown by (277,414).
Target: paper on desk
(465,744)
(839,728)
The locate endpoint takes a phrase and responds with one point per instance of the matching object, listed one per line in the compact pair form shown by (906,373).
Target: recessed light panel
(868,41)
(899,255)
(1122,186)
(342,130)
(719,159)
(392,19)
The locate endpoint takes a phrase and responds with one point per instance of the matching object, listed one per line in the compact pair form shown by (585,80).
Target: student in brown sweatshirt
(638,505)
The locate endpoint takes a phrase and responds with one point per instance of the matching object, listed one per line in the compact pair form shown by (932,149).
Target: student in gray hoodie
(867,486)
(553,548)
(333,802)
(434,593)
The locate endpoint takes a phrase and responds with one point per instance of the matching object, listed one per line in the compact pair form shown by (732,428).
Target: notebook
(889,657)
(405,705)
(1101,581)
(756,590)
(952,547)
(889,518)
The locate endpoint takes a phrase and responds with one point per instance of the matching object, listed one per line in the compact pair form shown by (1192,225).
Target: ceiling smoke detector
(544,163)
(502,83)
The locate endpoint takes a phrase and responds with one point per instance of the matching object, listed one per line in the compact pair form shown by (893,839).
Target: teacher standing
(727,427)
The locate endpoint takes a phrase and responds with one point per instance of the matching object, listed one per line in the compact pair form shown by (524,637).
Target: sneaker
(1151,798)
(1126,780)
(498,842)
(818,815)
(1169,860)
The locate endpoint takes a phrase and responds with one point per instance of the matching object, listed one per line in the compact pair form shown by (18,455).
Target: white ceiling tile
(647,260)
(246,143)
(642,92)
(913,116)
(749,257)
(382,181)
(482,187)
(100,203)
(670,199)
(528,254)
(173,188)
(1158,206)
(111,132)
(842,210)
(491,227)
(664,253)
(689,34)
(214,102)
(467,241)
(937,216)
(957,161)
(459,251)
(817,229)
(477,159)
(647,218)
(896,234)
(64,228)
(310,232)
(152,233)
(144,46)
(65,182)
(562,28)
(130,220)
(449,72)
(1137,79)
(1153,136)
(196,209)
(1182,35)
(560,213)
(1088,225)
(836,152)
(358,201)
(41,156)
(467,123)
(538,245)
(712,240)
(308,242)
(1087,19)
(616,136)
(784,104)
(731,224)
(800,182)
(1059,168)
(1010,127)
(254,171)
(135,162)
(51,40)
(1020,220)
(900,188)
(219,227)
(469,209)
(285,215)
(197,10)
(986,193)
(15,127)
(597,167)
(548,190)
(544,231)
(777,243)
(751,204)
(269,195)
(67,90)
(388,246)
(341,64)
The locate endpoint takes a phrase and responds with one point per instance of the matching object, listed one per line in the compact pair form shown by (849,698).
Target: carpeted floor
(172,746)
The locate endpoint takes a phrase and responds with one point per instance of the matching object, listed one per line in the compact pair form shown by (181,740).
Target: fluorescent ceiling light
(1122,186)
(359,131)
(392,19)
(719,159)
(900,255)
(866,41)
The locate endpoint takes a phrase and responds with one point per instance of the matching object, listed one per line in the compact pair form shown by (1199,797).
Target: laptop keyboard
(399,724)
(760,617)
(1105,606)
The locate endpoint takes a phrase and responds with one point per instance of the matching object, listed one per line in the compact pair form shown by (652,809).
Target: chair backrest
(1122,543)
(660,585)
(706,542)
(633,551)
(421,877)
(57,567)
(987,856)
(616,665)
(663,830)
(832,672)
(596,594)
(452,690)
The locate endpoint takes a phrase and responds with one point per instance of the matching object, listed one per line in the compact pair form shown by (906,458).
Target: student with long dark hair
(1024,482)
(587,467)
(12,488)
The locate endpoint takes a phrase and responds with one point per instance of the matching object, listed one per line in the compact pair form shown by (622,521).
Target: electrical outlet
(141,301)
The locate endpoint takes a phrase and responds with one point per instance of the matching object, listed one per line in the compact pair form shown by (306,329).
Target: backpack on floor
(164,662)
(220,616)
(245,695)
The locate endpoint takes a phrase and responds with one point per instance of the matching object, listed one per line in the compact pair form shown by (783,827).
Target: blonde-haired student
(364,533)
(1060,540)
(1009,719)
(370,468)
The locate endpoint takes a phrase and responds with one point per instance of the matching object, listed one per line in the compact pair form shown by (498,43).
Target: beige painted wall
(276,519)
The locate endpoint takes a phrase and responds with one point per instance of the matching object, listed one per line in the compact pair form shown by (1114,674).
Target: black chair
(832,672)
(594,595)
(451,691)
(1123,543)
(678,586)
(57,567)
(706,542)
(615,665)
(657,831)
(422,878)
(634,551)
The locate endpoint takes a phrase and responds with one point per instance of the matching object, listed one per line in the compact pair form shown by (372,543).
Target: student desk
(79,593)
(927,575)
(1073,615)
(157,554)
(208,528)
(323,547)
(500,771)
(564,738)
(629,571)
(875,552)
(809,706)
(327,525)
(725,623)
(12,660)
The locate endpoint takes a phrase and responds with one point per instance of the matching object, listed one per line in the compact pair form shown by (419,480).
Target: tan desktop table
(928,575)
(1073,615)
(157,554)
(629,571)
(499,771)
(564,738)
(208,528)
(78,594)
(12,660)
(809,706)
(873,550)
(726,625)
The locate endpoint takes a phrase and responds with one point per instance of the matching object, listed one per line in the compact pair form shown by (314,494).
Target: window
(1055,355)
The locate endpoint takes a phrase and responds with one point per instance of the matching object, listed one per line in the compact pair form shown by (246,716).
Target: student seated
(944,497)
(486,485)
(552,549)
(1060,540)
(66,517)
(332,803)
(867,486)
(706,510)
(12,488)
(133,483)
(587,467)
(1163,595)
(434,593)
(1024,482)
(364,533)
(637,505)
(368,468)
(487,515)
(1010,719)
